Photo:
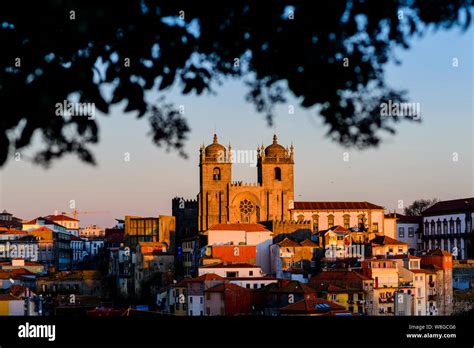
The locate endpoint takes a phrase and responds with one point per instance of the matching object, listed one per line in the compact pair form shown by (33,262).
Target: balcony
(431,297)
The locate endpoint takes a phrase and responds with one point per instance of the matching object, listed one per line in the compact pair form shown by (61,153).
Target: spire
(275,139)
(215,138)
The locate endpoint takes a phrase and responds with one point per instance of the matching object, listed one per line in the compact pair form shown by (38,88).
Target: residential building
(228,299)
(409,230)
(350,289)
(386,246)
(153,259)
(93,231)
(11,305)
(84,282)
(292,260)
(439,284)
(244,234)
(447,225)
(71,224)
(150,229)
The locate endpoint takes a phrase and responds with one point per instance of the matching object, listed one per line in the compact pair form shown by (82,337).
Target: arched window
(278,174)
(433,232)
(330,221)
(458,225)
(445,226)
(451,226)
(246,209)
(315,218)
(300,218)
(361,222)
(347,221)
(216,174)
(427,228)
(438,227)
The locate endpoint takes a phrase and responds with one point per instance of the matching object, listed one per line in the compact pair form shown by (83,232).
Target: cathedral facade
(221,200)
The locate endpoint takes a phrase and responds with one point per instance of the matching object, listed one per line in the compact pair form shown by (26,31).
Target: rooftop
(336,206)
(239,227)
(455,205)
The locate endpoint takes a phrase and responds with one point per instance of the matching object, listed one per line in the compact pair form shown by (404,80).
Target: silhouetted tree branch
(111,52)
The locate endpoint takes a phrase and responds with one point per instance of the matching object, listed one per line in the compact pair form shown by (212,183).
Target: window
(451,226)
(330,221)
(401,232)
(208,296)
(250,273)
(208,311)
(191,312)
(361,222)
(333,297)
(347,221)
(432,227)
(277,174)
(411,232)
(300,217)
(375,227)
(315,218)
(255,286)
(458,225)
(247,286)
(438,227)
(216,174)
(427,228)
(200,300)
(445,226)
(246,209)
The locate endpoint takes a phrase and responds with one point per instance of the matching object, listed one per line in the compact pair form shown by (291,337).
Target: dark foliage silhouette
(111,52)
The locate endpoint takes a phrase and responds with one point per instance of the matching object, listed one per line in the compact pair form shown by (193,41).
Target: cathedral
(221,200)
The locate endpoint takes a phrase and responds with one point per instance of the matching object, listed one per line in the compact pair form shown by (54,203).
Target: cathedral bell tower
(275,166)
(215,173)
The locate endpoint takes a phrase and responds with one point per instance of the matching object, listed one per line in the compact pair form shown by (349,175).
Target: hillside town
(243,249)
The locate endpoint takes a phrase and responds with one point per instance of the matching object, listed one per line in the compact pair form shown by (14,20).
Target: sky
(415,163)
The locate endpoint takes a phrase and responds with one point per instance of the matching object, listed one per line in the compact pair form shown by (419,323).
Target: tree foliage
(80,49)
(418,206)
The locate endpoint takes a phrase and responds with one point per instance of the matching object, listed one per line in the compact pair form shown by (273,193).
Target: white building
(447,225)
(244,234)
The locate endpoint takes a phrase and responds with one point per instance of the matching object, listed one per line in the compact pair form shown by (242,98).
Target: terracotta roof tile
(335,206)
(449,206)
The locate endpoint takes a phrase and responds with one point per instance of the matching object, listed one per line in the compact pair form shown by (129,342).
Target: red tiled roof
(226,287)
(411,257)
(239,227)
(386,240)
(342,279)
(288,243)
(309,243)
(230,265)
(206,277)
(41,229)
(449,206)
(15,272)
(335,206)
(287,286)
(60,217)
(312,306)
(12,231)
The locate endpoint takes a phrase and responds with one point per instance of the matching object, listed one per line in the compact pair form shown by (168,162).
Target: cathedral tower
(215,175)
(275,174)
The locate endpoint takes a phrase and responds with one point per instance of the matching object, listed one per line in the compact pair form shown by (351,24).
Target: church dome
(275,149)
(215,149)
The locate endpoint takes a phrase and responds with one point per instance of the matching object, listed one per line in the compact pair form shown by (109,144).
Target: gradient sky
(415,163)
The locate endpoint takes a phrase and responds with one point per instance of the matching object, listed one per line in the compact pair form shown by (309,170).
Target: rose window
(246,207)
